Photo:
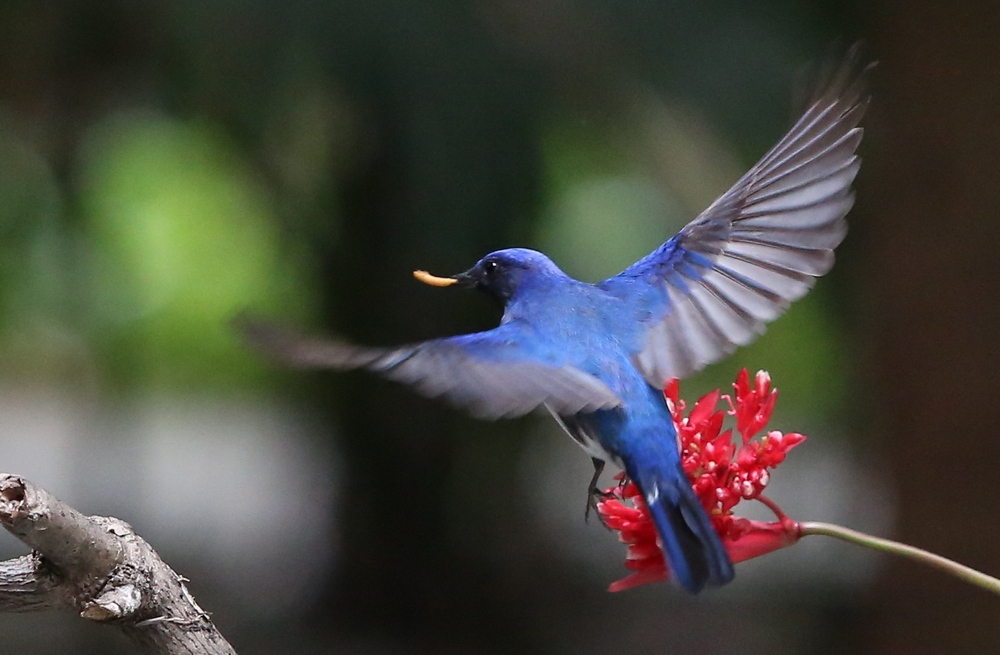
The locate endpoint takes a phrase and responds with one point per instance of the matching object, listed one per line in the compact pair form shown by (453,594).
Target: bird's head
(501,274)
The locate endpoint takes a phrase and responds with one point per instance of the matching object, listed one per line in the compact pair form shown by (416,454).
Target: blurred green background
(165,165)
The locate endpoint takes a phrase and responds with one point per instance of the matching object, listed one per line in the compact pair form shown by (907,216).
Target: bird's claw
(595,495)
(593,500)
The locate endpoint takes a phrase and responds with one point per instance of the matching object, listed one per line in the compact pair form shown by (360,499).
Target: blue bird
(597,356)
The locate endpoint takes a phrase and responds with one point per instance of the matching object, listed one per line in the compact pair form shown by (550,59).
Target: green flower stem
(960,571)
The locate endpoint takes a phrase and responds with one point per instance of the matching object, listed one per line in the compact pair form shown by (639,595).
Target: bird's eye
(491,267)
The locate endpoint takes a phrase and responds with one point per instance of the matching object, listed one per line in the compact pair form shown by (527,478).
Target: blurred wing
(759,246)
(491,374)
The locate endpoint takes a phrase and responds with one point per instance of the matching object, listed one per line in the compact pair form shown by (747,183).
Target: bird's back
(584,326)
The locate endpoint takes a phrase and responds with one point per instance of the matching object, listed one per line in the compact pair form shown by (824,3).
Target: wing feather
(761,245)
(491,374)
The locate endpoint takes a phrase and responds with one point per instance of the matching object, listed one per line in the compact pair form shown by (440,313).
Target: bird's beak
(462,279)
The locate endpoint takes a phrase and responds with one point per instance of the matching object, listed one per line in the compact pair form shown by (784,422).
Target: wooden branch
(100,568)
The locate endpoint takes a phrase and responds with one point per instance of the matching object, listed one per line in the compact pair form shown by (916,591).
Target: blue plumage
(597,356)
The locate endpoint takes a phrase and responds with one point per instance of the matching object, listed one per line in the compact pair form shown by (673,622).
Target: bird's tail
(695,554)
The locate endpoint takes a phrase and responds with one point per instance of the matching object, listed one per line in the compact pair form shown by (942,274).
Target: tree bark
(934,288)
(100,568)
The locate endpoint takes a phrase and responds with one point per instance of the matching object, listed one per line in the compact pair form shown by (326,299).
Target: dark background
(165,166)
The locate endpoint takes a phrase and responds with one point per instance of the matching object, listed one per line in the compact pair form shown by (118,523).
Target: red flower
(721,476)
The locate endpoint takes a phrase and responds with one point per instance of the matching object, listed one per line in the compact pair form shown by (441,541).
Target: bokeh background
(165,165)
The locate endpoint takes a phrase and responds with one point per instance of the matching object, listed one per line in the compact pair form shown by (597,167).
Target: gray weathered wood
(101,568)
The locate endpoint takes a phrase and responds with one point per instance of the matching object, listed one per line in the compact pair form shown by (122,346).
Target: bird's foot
(595,495)
(593,500)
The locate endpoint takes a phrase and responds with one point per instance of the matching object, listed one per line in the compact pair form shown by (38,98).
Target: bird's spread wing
(759,246)
(491,374)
